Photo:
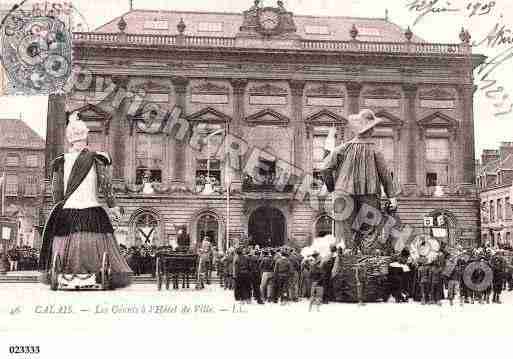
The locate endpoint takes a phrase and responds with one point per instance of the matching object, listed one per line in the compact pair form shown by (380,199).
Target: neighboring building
(280,82)
(22,153)
(495,180)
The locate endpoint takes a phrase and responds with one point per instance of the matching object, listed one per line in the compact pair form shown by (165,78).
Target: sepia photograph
(255,178)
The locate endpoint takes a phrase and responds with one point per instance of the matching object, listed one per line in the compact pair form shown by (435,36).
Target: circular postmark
(36,52)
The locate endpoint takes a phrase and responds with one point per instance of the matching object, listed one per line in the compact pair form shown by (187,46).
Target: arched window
(207,228)
(146,227)
(323,226)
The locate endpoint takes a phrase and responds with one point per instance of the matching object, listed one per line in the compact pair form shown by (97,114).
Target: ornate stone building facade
(22,158)
(278,82)
(495,180)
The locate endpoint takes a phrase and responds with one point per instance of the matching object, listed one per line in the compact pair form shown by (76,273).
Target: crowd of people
(141,259)
(21,258)
(282,275)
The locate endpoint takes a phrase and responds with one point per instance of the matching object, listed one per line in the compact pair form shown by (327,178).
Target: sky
(443,26)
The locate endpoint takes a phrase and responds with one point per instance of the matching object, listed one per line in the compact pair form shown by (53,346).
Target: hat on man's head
(363,122)
(77,129)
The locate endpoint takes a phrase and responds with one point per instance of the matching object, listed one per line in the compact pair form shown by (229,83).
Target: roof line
(112,21)
(241,14)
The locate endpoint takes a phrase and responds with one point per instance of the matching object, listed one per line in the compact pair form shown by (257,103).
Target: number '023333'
(24,349)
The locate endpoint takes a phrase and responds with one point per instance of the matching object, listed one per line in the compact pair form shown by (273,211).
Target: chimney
(505,150)
(489,156)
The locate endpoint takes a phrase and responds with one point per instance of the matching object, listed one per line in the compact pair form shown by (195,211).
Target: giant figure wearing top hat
(356,172)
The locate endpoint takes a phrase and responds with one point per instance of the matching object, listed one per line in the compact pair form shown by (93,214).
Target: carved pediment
(267,117)
(210,89)
(209,115)
(438,119)
(325,90)
(268,90)
(325,117)
(382,93)
(390,120)
(437,94)
(95,117)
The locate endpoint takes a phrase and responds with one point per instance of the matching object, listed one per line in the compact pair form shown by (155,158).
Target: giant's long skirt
(81,238)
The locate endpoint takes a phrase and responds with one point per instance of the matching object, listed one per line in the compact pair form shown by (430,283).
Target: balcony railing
(81,38)
(253,187)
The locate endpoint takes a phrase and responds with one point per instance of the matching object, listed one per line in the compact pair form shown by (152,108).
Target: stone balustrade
(83,38)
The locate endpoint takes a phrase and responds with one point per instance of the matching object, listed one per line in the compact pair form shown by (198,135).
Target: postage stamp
(36,48)
(219,178)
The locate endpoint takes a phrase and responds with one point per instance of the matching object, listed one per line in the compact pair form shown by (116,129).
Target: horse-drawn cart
(172,265)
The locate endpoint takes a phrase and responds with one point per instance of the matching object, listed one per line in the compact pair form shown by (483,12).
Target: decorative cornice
(268,90)
(436,94)
(325,90)
(382,93)
(209,88)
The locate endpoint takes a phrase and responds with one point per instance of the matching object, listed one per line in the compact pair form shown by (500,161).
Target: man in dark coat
(242,276)
(254,263)
(327,269)
(282,273)
(358,170)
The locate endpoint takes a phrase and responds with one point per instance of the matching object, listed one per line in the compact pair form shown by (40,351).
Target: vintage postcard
(249,178)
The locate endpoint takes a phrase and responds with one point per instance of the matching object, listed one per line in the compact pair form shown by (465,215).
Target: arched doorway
(267,227)
(207,226)
(323,226)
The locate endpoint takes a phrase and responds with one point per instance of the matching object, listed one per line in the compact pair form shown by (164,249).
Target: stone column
(117,130)
(235,128)
(353,103)
(55,129)
(466,134)
(179,165)
(410,95)
(297,87)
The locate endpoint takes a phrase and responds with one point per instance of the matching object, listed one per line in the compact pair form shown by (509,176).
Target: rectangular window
(437,150)
(31,186)
(32,161)
(492,211)
(267,100)
(437,159)
(149,147)
(210,27)
(499,210)
(431,179)
(12,160)
(368,31)
(156,25)
(508,211)
(317,30)
(11,185)
(143,174)
(508,238)
(208,171)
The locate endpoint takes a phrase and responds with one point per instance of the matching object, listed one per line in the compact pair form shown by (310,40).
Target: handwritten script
(434,7)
